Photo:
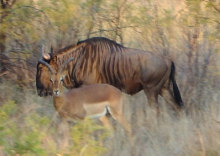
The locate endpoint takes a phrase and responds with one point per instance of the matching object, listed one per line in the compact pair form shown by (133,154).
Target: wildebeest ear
(45,55)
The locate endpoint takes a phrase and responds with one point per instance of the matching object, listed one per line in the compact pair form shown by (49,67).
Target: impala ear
(64,73)
(45,55)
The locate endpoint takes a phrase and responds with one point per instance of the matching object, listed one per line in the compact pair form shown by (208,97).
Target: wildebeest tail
(176,92)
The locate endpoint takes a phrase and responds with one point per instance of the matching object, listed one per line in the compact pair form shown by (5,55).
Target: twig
(214,6)
(216,121)
(83,150)
(109,30)
(201,140)
(33,8)
(3,73)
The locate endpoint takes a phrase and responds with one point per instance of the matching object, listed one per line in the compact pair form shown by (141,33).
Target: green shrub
(29,133)
(87,138)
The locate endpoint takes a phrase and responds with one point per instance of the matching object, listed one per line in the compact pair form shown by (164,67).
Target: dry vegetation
(186,30)
(28,126)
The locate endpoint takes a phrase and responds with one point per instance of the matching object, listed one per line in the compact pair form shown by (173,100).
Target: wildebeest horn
(47,64)
(45,55)
(51,50)
(64,64)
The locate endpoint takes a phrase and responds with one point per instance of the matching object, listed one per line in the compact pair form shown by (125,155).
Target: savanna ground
(185,30)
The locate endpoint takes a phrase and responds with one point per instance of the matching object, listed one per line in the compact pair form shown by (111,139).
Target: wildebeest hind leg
(152,98)
(168,97)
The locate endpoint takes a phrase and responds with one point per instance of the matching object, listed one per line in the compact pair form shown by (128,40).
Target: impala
(94,101)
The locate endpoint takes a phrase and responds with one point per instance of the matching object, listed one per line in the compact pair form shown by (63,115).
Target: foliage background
(186,30)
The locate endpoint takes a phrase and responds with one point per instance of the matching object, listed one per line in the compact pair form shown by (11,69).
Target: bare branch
(110,30)
(3,73)
(7,4)
(214,6)
(4,14)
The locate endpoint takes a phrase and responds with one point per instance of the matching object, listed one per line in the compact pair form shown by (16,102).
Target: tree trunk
(5,5)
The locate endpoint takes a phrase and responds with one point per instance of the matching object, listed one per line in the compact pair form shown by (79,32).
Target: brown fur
(81,102)
(100,60)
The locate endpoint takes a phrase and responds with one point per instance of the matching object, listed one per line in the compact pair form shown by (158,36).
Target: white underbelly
(96,110)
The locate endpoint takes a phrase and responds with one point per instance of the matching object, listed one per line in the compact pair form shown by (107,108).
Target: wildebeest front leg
(152,98)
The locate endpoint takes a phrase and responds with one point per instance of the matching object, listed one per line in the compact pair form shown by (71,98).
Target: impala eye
(61,79)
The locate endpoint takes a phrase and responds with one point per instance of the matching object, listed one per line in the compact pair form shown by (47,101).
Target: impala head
(56,78)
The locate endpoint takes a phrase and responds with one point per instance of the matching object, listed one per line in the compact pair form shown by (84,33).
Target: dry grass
(196,133)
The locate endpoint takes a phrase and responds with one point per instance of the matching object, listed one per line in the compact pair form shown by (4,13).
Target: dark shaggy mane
(91,45)
(63,50)
(95,40)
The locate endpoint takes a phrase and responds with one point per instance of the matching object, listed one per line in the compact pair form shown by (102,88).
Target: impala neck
(58,101)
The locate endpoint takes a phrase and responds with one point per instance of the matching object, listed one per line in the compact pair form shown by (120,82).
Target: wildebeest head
(43,83)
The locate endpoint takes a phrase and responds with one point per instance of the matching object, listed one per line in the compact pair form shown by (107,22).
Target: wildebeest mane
(94,47)
(103,40)
(93,42)
(62,50)
(89,54)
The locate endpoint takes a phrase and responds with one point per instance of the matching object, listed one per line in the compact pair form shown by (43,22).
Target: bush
(29,133)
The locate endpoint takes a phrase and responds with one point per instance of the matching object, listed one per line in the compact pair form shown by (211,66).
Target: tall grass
(194,134)
(28,126)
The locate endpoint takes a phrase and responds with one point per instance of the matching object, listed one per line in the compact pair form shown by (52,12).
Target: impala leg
(105,121)
(121,120)
(117,113)
(63,130)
